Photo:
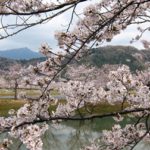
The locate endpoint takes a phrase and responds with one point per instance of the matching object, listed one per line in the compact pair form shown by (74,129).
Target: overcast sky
(35,36)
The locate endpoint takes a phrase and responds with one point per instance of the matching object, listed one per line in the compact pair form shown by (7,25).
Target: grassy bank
(32,92)
(6,105)
(11,92)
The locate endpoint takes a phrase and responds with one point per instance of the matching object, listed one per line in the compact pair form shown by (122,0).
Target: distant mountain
(6,63)
(127,55)
(97,57)
(20,54)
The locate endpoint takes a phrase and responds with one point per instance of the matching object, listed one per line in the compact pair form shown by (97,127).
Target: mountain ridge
(116,55)
(23,53)
(97,57)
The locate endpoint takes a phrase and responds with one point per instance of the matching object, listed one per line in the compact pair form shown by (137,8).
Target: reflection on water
(143,146)
(67,138)
(73,135)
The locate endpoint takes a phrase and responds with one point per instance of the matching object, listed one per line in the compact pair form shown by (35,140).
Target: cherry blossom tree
(3,81)
(100,22)
(99,76)
(13,76)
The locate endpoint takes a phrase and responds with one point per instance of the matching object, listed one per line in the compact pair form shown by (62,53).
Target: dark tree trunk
(16,92)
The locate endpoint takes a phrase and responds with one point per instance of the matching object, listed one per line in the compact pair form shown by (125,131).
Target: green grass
(55,92)
(5,92)
(101,108)
(10,92)
(6,105)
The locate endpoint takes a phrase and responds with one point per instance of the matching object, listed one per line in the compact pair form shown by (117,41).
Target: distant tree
(13,77)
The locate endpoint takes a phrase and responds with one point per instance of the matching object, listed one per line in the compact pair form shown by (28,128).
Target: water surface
(73,135)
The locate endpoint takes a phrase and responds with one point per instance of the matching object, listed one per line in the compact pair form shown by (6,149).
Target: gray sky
(35,36)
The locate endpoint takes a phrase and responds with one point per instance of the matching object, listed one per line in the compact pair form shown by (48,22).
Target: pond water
(6,97)
(73,135)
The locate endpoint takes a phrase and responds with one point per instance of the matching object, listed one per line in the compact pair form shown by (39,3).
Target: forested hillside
(128,55)
(6,63)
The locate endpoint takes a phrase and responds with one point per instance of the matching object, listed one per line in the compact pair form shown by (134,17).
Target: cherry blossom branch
(90,117)
(29,25)
(86,41)
(36,12)
(144,135)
